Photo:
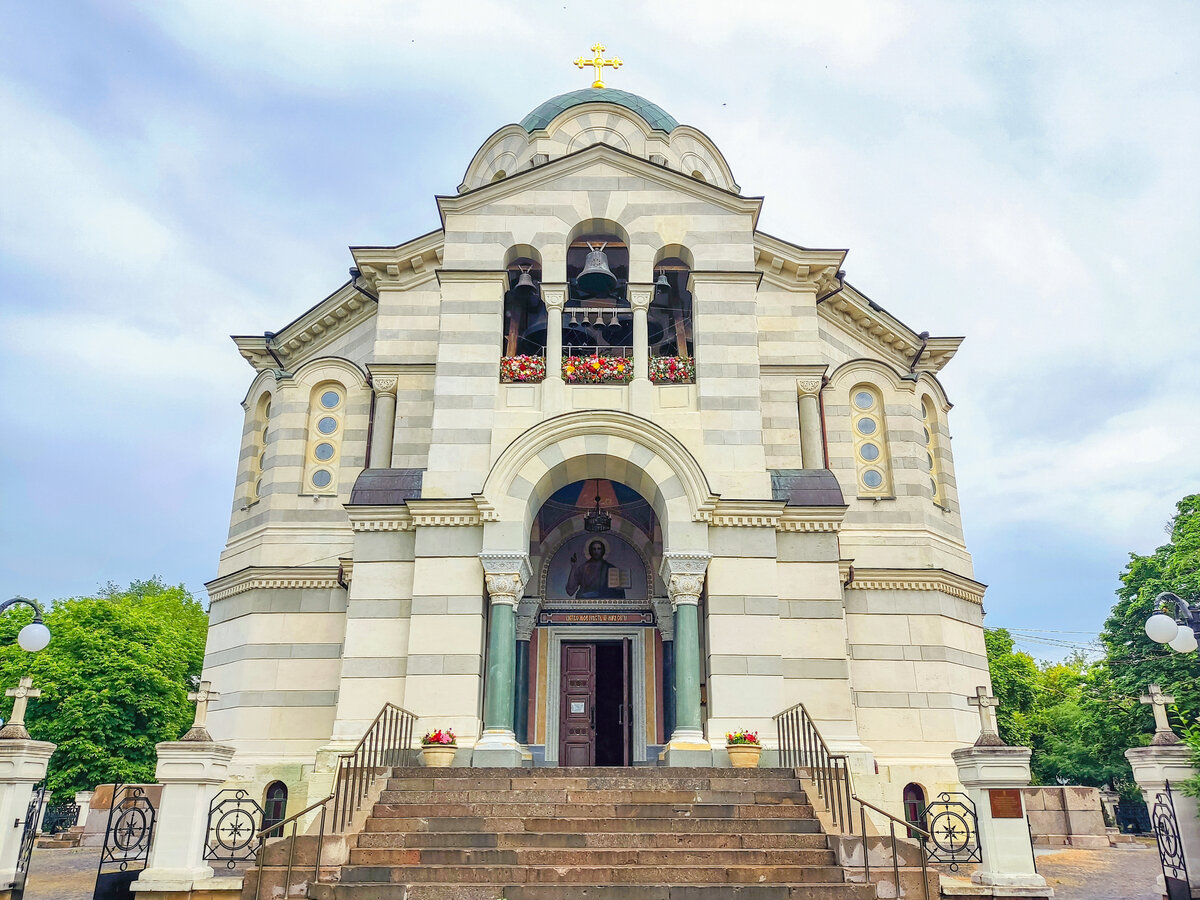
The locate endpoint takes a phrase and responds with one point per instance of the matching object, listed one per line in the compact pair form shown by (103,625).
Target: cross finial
(988,734)
(598,62)
(15,729)
(202,696)
(1157,700)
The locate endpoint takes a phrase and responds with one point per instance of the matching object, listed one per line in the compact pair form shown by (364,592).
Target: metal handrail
(802,746)
(276,830)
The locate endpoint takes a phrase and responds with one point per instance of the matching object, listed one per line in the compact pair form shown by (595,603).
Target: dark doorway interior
(610,699)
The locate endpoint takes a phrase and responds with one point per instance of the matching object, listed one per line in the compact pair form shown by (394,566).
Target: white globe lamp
(1163,629)
(35,636)
(1184,640)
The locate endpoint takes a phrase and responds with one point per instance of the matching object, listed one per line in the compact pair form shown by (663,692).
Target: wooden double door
(596,711)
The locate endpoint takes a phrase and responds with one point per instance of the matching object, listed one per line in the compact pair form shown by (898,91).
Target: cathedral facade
(592,474)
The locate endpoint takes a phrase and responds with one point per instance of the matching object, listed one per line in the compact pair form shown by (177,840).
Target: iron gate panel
(234,818)
(28,837)
(60,817)
(1133,817)
(127,838)
(954,826)
(1170,847)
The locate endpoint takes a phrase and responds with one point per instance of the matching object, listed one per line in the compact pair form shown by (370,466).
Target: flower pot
(744,756)
(438,756)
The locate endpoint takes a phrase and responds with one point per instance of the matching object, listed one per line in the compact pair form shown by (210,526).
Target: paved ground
(1124,873)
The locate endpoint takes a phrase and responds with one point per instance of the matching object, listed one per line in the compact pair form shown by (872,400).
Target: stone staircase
(597,833)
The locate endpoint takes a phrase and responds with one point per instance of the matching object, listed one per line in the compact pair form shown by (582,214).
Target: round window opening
(321,478)
(866,426)
(324,452)
(863,400)
(870,452)
(872,479)
(327,425)
(330,399)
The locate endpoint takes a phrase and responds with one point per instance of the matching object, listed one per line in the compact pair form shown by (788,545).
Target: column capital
(384,384)
(684,574)
(506,573)
(526,618)
(554,296)
(640,295)
(666,618)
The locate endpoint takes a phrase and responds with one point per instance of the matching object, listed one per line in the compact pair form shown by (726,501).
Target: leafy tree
(114,679)
(1016,682)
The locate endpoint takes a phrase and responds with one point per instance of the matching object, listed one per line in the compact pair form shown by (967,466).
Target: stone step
(595,810)
(474,782)
(504,875)
(639,840)
(543,825)
(524,795)
(594,772)
(430,891)
(583,856)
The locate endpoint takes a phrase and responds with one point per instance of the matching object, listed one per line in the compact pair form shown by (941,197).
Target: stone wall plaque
(1006,803)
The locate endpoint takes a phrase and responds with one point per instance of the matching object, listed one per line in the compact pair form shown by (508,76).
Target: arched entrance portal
(580,618)
(590,687)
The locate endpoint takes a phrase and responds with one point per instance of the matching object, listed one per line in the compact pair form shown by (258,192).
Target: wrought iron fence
(234,820)
(802,747)
(28,836)
(1170,847)
(127,838)
(60,817)
(954,830)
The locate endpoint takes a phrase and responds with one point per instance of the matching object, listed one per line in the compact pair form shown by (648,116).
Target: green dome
(654,115)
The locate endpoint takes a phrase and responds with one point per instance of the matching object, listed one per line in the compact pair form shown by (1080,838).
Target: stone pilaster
(506,575)
(684,574)
(384,426)
(812,441)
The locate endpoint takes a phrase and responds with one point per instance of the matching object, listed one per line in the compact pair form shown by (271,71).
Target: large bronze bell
(597,278)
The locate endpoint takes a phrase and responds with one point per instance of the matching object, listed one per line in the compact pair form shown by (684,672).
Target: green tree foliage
(114,680)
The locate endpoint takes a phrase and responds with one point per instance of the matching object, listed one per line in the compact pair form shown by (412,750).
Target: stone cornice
(747,513)
(917,580)
(864,319)
(712,276)
(380,518)
(254,578)
(812,518)
(420,512)
(795,268)
(531,179)
(473,276)
(403,267)
(303,337)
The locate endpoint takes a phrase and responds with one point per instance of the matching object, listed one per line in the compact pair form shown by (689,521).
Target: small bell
(597,278)
(527,290)
(661,283)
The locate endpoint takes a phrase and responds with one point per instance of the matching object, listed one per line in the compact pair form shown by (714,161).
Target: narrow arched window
(326,426)
(914,807)
(870,442)
(274,805)
(258,458)
(930,423)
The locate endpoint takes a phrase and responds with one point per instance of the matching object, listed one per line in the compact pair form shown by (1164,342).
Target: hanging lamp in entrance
(597,519)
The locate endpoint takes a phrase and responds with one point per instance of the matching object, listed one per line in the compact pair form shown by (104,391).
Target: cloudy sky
(1021,173)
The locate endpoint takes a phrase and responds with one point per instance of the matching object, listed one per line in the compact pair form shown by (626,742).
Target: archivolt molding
(916,580)
(313,578)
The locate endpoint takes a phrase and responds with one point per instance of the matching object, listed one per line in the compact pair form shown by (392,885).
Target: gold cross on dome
(598,62)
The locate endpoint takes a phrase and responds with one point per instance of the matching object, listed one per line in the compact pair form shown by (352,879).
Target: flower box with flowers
(438,748)
(672,369)
(597,369)
(743,748)
(524,369)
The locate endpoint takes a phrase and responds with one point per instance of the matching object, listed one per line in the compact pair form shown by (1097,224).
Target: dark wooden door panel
(626,699)
(577,716)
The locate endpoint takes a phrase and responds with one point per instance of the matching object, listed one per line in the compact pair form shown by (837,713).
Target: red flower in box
(597,369)
(442,736)
(522,369)
(672,369)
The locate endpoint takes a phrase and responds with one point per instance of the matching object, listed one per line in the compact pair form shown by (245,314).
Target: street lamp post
(1178,630)
(34,636)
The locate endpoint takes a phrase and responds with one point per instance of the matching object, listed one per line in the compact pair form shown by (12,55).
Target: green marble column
(498,690)
(687,668)
(521,703)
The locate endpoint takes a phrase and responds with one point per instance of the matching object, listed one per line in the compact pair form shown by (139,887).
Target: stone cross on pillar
(201,697)
(989,736)
(15,729)
(1157,700)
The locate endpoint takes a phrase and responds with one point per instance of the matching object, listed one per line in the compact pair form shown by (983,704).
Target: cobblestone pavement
(1126,872)
(62,874)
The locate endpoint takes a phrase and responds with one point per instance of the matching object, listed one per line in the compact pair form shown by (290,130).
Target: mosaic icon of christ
(595,578)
